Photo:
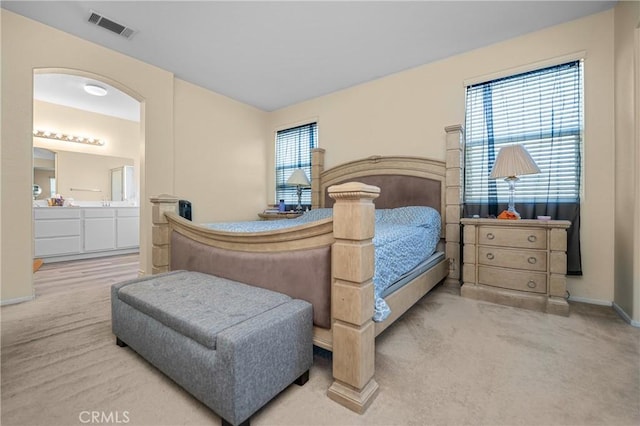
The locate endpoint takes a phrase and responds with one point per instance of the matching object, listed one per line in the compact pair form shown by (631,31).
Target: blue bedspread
(404,237)
(270,225)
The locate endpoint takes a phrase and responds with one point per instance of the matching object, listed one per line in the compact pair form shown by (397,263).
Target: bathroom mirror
(122,184)
(44,173)
(77,175)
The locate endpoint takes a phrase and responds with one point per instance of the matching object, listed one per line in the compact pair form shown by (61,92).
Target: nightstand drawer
(512,237)
(535,282)
(529,260)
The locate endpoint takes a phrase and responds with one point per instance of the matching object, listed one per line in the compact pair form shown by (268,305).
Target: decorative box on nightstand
(521,263)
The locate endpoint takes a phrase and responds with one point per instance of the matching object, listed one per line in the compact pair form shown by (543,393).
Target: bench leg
(226,423)
(304,378)
(120,343)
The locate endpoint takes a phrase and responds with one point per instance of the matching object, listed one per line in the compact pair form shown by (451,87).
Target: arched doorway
(93,138)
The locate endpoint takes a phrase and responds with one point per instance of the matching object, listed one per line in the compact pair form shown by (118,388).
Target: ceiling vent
(108,24)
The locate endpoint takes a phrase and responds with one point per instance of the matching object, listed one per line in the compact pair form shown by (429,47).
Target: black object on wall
(184,209)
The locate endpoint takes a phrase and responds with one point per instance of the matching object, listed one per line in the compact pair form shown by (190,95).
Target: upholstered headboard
(401,190)
(403,181)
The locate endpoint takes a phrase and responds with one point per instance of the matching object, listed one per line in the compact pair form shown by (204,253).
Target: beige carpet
(448,361)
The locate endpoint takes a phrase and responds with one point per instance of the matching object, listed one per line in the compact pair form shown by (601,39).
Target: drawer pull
(531,284)
(490,236)
(532,260)
(532,238)
(490,256)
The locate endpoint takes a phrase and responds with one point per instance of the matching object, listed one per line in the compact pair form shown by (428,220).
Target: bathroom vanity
(69,233)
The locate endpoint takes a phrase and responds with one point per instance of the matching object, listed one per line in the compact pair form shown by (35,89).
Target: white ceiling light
(95,90)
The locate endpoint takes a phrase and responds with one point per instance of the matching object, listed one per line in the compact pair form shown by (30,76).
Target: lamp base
(510,212)
(511,215)
(299,193)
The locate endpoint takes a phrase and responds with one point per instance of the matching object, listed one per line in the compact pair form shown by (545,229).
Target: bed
(405,244)
(329,261)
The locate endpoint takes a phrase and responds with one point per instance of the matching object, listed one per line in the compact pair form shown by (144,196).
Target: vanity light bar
(68,138)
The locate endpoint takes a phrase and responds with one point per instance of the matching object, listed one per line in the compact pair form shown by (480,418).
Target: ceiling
(68,90)
(275,54)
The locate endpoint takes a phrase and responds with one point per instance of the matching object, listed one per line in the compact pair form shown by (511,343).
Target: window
(293,151)
(541,110)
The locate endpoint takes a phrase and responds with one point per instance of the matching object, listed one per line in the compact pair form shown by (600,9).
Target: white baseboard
(590,301)
(625,316)
(17,300)
(89,255)
(615,306)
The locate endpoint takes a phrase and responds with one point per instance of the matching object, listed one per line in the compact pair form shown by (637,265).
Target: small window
(293,151)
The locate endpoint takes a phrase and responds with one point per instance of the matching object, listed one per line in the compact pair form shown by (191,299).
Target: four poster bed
(330,261)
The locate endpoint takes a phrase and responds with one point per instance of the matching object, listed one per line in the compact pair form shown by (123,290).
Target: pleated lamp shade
(512,161)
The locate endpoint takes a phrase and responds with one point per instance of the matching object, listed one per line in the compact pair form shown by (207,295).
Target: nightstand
(279,215)
(521,263)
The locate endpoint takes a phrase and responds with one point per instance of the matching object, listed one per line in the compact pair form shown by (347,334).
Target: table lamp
(513,161)
(299,179)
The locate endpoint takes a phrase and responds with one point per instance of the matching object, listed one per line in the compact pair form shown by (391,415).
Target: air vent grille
(127,32)
(111,25)
(94,18)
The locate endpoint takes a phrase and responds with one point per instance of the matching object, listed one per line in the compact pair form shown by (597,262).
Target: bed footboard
(301,274)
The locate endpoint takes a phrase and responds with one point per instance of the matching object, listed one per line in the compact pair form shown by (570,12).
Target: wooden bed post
(160,236)
(352,295)
(453,201)
(317,167)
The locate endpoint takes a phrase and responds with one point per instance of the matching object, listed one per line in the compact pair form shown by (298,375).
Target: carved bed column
(453,201)
(160,235)
(352,295)
(317,167)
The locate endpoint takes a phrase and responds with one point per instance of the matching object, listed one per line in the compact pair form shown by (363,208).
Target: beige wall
(122,140)
(122,136)
(406,114)
(27,45)
(627,171)
(220,156)
(401,114)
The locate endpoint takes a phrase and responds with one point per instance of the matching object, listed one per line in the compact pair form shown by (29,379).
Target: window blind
(541,110)
(293,151)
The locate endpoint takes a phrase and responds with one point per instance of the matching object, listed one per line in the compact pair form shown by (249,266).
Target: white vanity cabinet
(57,231)
(99,229)
(68,233)
(127,225)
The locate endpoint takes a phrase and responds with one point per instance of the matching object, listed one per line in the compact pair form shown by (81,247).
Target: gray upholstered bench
(232,346)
